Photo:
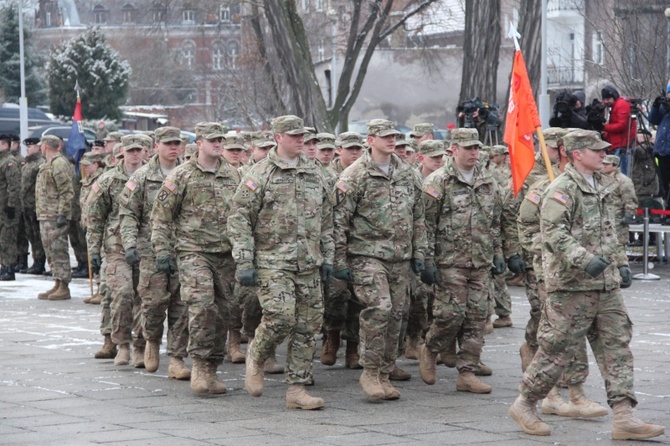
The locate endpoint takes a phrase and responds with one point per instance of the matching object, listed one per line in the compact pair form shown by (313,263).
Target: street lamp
(667,56)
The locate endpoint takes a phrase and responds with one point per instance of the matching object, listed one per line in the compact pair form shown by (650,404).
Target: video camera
(488,113)
(595,115)
(563,106)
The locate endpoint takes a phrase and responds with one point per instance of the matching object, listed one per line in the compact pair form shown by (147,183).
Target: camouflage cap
(432,147)
(499,150)
(289,124)
(116,151)
(51,140)
(422,129)
(326,141)
(89,158)
(209,130)
(381,127)
(584,139)
(347,140)
(191,149)
(113,136)
(136,141)
(465,137)
(311,134)
(167,134)
(553,134)
(263,139)
(233,142)
(611,159)
(247,136)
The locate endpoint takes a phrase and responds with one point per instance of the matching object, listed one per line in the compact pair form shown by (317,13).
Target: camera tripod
(491,135)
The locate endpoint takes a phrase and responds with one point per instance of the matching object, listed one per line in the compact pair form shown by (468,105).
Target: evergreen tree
(102,75)
(10,62)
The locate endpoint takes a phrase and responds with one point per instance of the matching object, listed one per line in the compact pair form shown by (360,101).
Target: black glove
(429,275)
(61,221)
(626,276)
(326,272)
(628,219)
(344,274)
(417,266)
(516,264)
(96,262)
(596,266)
(10,212)
(657,101)
(132,257)
(247,277)
(166,264)
(498,264)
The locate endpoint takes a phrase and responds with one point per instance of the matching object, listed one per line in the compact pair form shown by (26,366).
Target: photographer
(620,130)
(569,111)
(482,116)
(660,116)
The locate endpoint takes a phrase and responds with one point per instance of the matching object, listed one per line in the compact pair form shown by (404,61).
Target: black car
(62,131)
(10,122)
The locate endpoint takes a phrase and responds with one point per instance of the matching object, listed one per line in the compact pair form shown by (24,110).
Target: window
(188,16)
(233,53)
(305,5)
(318,5)
(218,56)
(320,51)
(100,14)
(224,14)
(188,53)
(159,15)
(128,12)
(48,18)
(598,49)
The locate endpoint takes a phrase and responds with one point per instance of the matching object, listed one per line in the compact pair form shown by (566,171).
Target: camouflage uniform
(624,201)
(54,195)
(28,181)
(281,226)
(76,232)
(10,183)
(159,292)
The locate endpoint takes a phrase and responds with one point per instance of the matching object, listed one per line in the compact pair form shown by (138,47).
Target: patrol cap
(347,140)
(247,136)
(167,134)
(209,130)
(499,149)
(432,147)
(553,134)
(263,139)
(584,139)
(113,136)
(311,134)
(136,141)
(90,158)
(233,142)
(191,149)
(116,151)
(51,140)
(289,124)
(31,141)
(326,141)
(611,159)
(411,146)
(381,127)
(465,137)
(422,129)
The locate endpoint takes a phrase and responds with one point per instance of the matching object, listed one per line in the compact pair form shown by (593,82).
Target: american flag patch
(131,185)
(169,185)
(432,191)
(342,186)
(251,184)
(534,198)
(563,199)
(96,187)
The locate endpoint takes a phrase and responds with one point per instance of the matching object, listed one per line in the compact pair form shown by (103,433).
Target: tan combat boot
(199,376)
(502,322)
(370,384)
(177,369)
(488,328)
(483,370)
(581,406)
(411,347)
(62,293)
(449,357)
(138,357)
(330,347)
(427,365)
(554,404)
(96,299)
(123,355)
(627,427)
(523,411)
(398,374)
(151,356)
(298,398)
(390,392)
(235,354)
(527,355)
(253,377)
(351,358)
(108,349)
(45,295)
(214,385)
(468,382)
(271,365)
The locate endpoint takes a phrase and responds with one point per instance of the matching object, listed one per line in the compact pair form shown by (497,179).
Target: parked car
(62,131)
(10,122)
(362,128)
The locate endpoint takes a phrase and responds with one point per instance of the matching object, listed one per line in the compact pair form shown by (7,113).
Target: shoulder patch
(534,198)
(96,187)
(251,185)
(131,185)
(342,186)
(162,195)
(561,198)
(432,191)
(169,185)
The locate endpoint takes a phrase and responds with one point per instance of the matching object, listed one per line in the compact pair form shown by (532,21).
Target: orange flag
(521,122)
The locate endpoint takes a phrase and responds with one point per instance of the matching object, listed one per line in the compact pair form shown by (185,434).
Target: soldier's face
(210,148)
(4,146)
(98,149)
(401,152)
(467,157)
(309,149)
(109,146)
(133,157)
(426,137)
(554,154)
(32,149)
(15,146)
(168,151)
(289,145)
(590,160)
(232,156)
(349,155)
(431,163)
(384,145)
(325,156)
(258,153)
(608,168)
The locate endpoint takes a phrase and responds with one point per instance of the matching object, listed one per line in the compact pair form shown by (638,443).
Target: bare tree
(530,28)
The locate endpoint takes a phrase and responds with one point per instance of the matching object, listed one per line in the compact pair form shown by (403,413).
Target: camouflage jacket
(29,179)
(378,215)
(282,217)
(10,181)
(192,208)
(528,224)
(103,211)
(336,167)
(86,185)
(53,190)
(462,220)
(624,201)
(136,203)
(576,225)
(76,206)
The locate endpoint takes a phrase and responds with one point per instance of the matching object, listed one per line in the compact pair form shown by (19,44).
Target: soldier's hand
(429,275)
(96,263)
(596,266)
(417,266)
(247,277)
(132,257)
(166,264)
(628,219)
(61,221)
(344,274)
(326,272)
(498,264)
(626,276)
(516,264)
(10,212)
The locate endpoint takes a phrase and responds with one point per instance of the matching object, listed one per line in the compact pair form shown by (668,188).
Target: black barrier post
(645,275)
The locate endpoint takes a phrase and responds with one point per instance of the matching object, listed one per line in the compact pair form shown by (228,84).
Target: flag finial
(514,34)
(77,88)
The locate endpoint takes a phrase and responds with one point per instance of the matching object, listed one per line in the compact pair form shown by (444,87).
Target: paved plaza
(53,392)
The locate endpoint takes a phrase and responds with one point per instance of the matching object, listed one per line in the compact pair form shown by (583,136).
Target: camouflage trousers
(342,310)
(22,246)
(531,284)
(461,305)
(8,232)
(54,240)
(126,314)
(501,296)
(78,241)
(159,294)
(292,307)
(251,308)
(415,318)
(106,303)
(383,290)
(568,317)
(207,289)
(33,233)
